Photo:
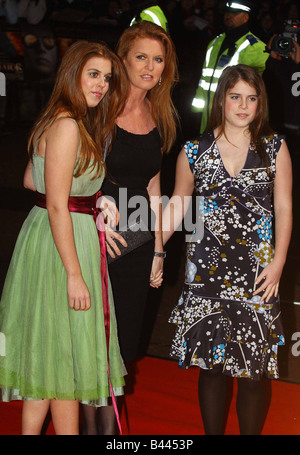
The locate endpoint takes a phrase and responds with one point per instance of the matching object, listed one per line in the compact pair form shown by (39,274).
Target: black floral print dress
(218,319)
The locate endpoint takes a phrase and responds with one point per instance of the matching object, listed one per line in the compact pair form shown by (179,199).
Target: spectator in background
(266,26)
(113,13)
(40,65)
(32,10)
(9,9)
(283,86)
(207,4)
(188,30)
(293,10)
(264,7)
(40,52)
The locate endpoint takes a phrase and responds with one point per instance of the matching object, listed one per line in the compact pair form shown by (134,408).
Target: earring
(159,82)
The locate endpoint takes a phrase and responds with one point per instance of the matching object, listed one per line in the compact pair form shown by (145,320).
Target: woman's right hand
(78,293)
(111,235)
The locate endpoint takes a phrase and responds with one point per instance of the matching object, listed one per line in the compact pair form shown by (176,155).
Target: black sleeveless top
(131,164)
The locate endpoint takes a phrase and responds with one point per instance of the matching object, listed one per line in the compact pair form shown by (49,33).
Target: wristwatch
(160,255)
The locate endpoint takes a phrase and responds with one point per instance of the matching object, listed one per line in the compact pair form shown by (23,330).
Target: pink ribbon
(87,205)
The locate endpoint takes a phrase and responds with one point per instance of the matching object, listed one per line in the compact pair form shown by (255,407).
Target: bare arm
(179,202)
(283,224)
(154,192)
(61,148)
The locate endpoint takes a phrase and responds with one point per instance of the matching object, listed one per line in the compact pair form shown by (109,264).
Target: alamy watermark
(2,84)
(296,346)
(179,213)
(296,86)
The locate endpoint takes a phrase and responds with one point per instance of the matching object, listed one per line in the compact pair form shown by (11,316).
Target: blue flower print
(264,228)
(209,205)
(191,270)
(191,150)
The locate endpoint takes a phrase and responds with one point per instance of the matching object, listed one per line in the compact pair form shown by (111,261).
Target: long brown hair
(96,125)
(259,128)
(163,110)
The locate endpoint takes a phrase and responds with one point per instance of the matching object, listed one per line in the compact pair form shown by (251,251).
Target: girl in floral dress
(228,315)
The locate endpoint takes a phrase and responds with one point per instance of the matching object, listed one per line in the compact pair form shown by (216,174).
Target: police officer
(150,11)
(236,45)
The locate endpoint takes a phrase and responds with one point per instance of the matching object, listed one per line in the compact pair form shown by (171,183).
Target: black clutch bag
(136,234)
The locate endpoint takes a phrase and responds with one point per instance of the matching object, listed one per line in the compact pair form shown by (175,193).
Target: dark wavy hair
(96,124)
(259,128)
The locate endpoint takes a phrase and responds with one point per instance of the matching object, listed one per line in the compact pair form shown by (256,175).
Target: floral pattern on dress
(218,319)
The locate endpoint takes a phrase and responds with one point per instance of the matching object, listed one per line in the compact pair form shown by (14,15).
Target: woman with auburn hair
(144,130)
(159,95)
(56,314)
(228,315)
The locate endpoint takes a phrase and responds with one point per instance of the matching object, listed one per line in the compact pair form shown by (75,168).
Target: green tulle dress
(48,350)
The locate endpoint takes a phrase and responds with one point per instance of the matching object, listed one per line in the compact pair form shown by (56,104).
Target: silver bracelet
(160,255)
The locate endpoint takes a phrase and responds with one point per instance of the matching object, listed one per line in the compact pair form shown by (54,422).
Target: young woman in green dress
(57,320)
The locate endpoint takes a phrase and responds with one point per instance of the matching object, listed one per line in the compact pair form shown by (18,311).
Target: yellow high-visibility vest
(249,50)
(153,14)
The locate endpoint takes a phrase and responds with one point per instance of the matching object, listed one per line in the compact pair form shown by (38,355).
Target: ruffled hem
(242,337)
(233,360)
(13,387)
(8,395)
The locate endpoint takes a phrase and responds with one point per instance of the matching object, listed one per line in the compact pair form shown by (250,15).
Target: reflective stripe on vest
(153,16)
(235,58)
(208,86)
(209,72)
(199,103)
(207,58)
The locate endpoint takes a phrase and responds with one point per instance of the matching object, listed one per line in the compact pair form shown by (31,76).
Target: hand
(111,246)
(79,296)
(109,211)
(273,54)
(156,277)
(270,286)
(296,54)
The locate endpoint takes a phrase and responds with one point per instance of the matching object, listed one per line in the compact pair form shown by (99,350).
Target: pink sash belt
(87,205)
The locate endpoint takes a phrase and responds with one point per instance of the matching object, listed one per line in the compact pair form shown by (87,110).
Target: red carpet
(164,402)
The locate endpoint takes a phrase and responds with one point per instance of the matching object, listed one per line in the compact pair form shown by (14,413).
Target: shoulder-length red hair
(96,125)
(163,110)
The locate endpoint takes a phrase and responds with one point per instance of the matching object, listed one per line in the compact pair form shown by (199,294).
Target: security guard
(236,45)
(152,13)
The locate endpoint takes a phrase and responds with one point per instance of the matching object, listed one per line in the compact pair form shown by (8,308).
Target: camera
(283,43)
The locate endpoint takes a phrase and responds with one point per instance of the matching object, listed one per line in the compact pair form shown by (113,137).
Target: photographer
(294,54)
(282,79)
